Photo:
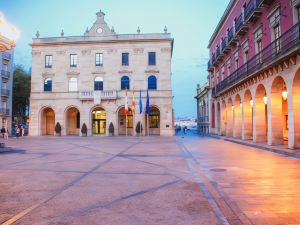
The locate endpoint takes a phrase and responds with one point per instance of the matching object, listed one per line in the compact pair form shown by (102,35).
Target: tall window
(152,83)
(98,84)
(298,13)
(125,59)
(276,38)
(125,83)
(73,84)
(73,60)
(48,84)
(259,50)
(151,58)
(48,61)
(99,59)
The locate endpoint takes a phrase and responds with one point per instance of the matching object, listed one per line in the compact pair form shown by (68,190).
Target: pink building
(254,72)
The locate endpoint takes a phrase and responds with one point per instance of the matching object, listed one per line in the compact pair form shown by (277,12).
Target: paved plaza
(149,180)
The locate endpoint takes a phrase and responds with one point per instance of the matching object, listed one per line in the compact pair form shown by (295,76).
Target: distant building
(6,68)
(83,79)
(254,72)
(203,98)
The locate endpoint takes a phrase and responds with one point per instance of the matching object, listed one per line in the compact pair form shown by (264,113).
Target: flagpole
(148,124)
(126,124)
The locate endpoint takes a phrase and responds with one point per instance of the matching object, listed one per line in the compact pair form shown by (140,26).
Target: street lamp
(8,35)
(265,99)
(284,94)
(251,103)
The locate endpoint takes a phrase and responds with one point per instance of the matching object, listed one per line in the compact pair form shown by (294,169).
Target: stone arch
(279,112)
(248,115)
(237,115)
(154,121)
(98,120)
(122,123)
(72,120)
(261,114)
(47,121)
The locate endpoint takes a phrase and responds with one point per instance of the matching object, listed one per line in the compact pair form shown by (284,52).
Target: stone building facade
(6,82)
(203,98)
(254,72)
(83,79)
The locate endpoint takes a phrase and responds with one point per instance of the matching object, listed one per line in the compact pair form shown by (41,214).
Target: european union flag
(140,103)
(148,104)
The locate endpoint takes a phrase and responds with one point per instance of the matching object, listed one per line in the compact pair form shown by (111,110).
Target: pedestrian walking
(18,132)
(2,132)
(22,131)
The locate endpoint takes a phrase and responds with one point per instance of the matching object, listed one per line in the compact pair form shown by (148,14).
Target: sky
(190,22)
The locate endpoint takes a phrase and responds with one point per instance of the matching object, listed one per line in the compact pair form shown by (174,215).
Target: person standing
(6,134)
(22,131)
(2,131)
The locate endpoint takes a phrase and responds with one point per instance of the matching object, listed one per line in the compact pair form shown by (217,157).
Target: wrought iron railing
(5,73)
(4,111)
(224,44)
(239,22)
(251,7)
(5,92)
(230,34)
(285,43)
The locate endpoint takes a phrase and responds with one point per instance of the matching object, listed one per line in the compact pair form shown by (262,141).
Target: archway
(72,121)
(154,121)
(279,112)
(237,110)
(229,118)
(248,115)
(98,121)
(47,121)
(122,122)
(261,115)
(224,118)
(296,107)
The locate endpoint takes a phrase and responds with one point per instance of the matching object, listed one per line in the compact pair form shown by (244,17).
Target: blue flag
(140,103)
(147,104)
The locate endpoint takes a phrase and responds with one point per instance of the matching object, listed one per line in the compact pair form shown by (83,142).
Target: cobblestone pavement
(149,180)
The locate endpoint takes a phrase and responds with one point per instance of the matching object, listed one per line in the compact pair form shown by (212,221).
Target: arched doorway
(122,122)
(229,118)
(98,121)
(248,115)
(72,121)
(296,107)
(154,121)
(224,118)
(47,121)
(237,110)
(279,111)
(261,114)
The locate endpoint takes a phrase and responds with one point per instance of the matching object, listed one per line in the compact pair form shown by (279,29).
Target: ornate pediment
(46,74)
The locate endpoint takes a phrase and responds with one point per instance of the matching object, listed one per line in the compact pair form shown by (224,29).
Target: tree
(84,129)
(58,129)
(21,94)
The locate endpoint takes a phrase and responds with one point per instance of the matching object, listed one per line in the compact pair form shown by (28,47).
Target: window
(48,84)
(73,84)
(125,59)
(125,83)
(236,60)
(48,61)
(222,73)
(98,84)
(228,67)
(259,50)
(152,83)
(276,38)
(73,60)
(298,13)
(99,59)
(151,58)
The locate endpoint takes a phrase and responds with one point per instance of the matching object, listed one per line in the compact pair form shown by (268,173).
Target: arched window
(73,84)
(152,83)
(98,84)
(125,83)
(48,84)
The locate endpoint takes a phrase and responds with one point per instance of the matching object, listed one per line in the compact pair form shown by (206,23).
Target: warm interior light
(265,99)
(251,103)
(232,108)
(284,94)
(241,105)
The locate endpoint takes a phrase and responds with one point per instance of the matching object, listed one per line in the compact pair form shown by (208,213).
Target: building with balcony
(254,72)
(6,82)
(203,98)
(83,79)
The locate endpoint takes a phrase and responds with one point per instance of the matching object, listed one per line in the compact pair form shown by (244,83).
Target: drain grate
(218,170)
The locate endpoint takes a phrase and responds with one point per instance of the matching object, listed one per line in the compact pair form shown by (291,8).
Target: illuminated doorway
(98,121)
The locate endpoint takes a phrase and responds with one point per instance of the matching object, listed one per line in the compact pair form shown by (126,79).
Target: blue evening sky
(191,23)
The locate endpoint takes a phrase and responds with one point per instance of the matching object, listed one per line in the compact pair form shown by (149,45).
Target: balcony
(209,66)
(6,55)
(4,111)
(287,44)
(89,95)
(5,92)
(264,2)
(253,11)
(5,74)
(225,46)
(240,26)
(232,40)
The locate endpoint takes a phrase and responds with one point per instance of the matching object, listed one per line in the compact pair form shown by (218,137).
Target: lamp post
(8,35)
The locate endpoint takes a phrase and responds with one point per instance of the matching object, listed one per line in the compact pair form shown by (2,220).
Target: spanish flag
(133,103)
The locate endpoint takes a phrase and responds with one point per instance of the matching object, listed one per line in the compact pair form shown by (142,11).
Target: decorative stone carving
(99,72)
(152,71)
(125,71)
(86,52)
(60,52)
(138,50)
(47,74)
(36,53)
(73,73)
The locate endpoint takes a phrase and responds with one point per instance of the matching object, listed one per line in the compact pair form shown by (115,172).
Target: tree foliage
(21,93)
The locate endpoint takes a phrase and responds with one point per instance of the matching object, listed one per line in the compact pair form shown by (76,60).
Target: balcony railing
(288,41)
(240,25)
(4,92)
(6,55)
(4,111)
(253,10)
(224,44)
(105,95)
(5,73)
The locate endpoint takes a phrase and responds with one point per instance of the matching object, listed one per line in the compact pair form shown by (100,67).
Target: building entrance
(99,121)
